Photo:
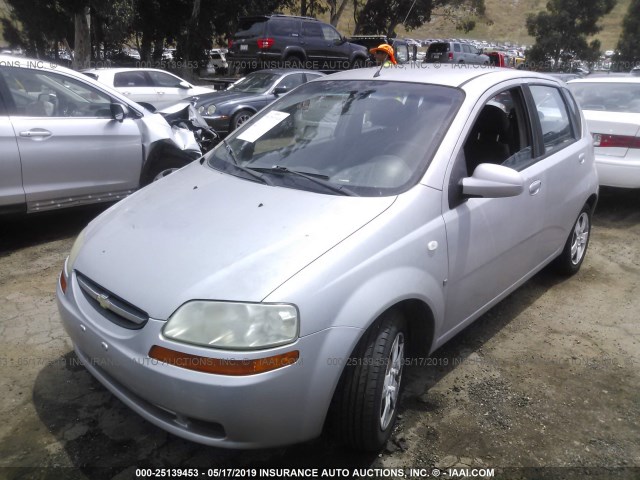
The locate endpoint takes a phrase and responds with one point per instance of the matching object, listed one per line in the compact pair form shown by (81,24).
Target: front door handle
(534,188)
(36,133)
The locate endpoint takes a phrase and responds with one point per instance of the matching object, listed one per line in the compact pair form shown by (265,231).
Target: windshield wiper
(250,171)
(316,178)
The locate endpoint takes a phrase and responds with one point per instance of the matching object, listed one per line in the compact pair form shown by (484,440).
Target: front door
(493,242)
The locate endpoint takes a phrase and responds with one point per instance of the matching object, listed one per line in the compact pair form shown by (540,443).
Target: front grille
(110,306)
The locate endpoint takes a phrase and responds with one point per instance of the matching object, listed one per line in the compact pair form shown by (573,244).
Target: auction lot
(548,378)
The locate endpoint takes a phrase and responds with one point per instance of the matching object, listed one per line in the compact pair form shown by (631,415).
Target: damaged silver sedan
(67,140)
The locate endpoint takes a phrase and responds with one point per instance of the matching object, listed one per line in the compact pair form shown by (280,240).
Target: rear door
(72,151)
(565,155)
(11,191)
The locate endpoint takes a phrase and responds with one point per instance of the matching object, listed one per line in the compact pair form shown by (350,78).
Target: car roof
(440,74)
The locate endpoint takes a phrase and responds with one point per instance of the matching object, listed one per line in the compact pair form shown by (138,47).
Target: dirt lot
(548,378)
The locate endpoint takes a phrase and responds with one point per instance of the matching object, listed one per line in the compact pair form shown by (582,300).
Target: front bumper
(281,407)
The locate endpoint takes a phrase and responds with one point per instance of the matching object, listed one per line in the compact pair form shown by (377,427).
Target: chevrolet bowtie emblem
(103,300)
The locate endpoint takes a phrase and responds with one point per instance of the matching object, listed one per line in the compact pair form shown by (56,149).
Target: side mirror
(280,91)
(184,85)
(118,111)
(339,41)
(493,181)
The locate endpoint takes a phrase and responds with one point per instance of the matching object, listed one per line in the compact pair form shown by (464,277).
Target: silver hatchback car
(281,284)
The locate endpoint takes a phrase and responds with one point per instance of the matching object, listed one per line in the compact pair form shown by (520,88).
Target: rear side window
(131,79)
(554,118)
(251,27)
(312,29)
(284,27)
(466,49)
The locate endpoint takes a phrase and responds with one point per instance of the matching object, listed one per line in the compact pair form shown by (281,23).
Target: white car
(147,85)
(611,106)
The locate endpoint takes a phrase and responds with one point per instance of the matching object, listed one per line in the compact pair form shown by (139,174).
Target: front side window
(501,134)
(367,138)
(553,116)
(291,81)
(38,93)
(257,82)
(165,80)
(330,33)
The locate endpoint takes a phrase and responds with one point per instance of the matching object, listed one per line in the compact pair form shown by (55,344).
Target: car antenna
(377,74)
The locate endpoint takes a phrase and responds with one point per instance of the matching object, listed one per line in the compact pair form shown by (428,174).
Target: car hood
(227,96)
(203,234)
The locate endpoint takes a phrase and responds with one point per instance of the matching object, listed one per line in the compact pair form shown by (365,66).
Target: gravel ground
(545,385)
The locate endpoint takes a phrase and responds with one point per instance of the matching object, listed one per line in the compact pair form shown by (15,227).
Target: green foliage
(383,16)
(561,32)
(628,54)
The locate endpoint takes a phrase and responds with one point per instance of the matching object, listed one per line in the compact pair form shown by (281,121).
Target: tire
(366,402)
(572,256)
(358,63)
(239,118)
(162,166)
(293,61)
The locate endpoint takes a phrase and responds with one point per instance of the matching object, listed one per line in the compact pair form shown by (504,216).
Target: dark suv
(455,52)
(269,41)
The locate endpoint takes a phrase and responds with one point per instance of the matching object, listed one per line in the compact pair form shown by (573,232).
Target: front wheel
(162,167)
(239,118)
(575,249)
(366,403)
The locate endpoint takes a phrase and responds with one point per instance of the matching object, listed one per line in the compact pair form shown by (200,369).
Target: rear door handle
(534,188)
(36,133)
(581,158)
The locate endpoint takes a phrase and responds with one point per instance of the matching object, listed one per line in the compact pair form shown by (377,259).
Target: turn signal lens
(63,282)
(223,366)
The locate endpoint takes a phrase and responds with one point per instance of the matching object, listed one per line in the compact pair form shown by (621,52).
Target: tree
(628,54)
(383,16)
(561,32)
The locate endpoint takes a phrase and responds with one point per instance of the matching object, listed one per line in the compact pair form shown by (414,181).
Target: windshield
(612,97)
(367,138)
(257,82)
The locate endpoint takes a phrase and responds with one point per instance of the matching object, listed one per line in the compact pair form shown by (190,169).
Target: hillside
(507,24)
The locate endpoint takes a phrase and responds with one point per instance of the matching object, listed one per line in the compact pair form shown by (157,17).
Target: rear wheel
(293,61)
(358,63)
(366,402)
(575,249)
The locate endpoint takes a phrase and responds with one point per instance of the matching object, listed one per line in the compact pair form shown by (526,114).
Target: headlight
(233,326)
(73,254)
(201,109)
(211,109)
